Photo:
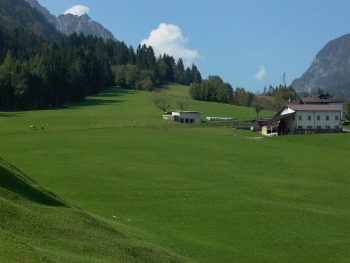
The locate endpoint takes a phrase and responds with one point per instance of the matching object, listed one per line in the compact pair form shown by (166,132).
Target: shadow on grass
(95,102)
(104,98)
(14,183)
(114,92)
(8,114)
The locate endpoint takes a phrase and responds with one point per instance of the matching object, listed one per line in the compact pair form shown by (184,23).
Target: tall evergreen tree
(196,75)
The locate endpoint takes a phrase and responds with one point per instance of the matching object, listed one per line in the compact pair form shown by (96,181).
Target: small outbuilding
(183,116)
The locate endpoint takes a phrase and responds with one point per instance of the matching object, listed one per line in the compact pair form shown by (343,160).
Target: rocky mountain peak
(68,23)
(329,70)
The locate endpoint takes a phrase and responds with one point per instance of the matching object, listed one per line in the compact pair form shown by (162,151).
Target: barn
(336,100)
(304,118)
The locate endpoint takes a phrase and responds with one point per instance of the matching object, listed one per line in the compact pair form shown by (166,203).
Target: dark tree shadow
(104,98)
(8,114)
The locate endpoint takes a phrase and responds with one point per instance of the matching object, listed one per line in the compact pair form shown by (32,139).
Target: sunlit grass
(210,193)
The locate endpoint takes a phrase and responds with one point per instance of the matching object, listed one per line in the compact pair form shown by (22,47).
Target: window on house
(336,118)
(318,118)
(328,127)
(327,118)
(309,118)
(300,118)
(309,127)
(318,127)
(337,127)
(300,127)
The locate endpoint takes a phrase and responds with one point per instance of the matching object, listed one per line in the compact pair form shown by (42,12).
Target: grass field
(211,194)
(38,226)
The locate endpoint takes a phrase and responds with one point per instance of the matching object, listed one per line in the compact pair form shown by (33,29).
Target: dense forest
(40,68)
(215,89)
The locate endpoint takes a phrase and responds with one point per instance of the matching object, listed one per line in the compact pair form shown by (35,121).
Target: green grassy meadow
(38,226)
(207,193)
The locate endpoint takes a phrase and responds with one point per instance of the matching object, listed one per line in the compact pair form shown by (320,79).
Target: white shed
(184,116)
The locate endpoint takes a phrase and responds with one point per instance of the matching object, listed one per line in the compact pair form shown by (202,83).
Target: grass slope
(37,226)
(116,108)
(211,194)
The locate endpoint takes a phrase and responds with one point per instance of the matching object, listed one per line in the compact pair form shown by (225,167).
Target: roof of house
(184,111)
(275,119)
(323,98)
(313,107)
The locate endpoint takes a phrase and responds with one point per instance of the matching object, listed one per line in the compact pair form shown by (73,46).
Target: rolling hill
(38,226)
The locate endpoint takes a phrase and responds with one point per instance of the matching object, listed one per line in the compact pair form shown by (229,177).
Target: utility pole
(284,76)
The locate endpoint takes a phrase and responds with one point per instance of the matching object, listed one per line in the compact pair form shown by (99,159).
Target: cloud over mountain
(77,10)
(260,75)
(169,39)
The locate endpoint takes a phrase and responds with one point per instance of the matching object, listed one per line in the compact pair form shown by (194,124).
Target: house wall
(290,122)
(310,120)
(269,129)
(168,117)
(339,105)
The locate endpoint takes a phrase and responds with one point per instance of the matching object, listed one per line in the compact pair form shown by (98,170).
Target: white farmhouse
(184,116)
(336,100)
(304,118)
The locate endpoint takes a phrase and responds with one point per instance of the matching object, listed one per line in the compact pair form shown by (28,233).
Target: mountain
(68,23)
(329,71)
(49,17)
(18,14)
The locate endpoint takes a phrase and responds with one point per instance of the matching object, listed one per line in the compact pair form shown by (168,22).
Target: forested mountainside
(329,71)
(16,14)
(38,72)
(49,17)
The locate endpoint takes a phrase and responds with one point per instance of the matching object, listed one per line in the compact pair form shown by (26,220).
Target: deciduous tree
(162,102)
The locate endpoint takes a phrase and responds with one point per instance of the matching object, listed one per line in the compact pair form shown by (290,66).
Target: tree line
(216,90)
(38,73)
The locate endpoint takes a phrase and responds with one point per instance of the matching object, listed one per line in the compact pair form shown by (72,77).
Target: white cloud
(260,75)
(77,10)
(168,39)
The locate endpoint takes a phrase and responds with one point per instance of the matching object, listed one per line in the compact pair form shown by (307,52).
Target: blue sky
(247,43)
